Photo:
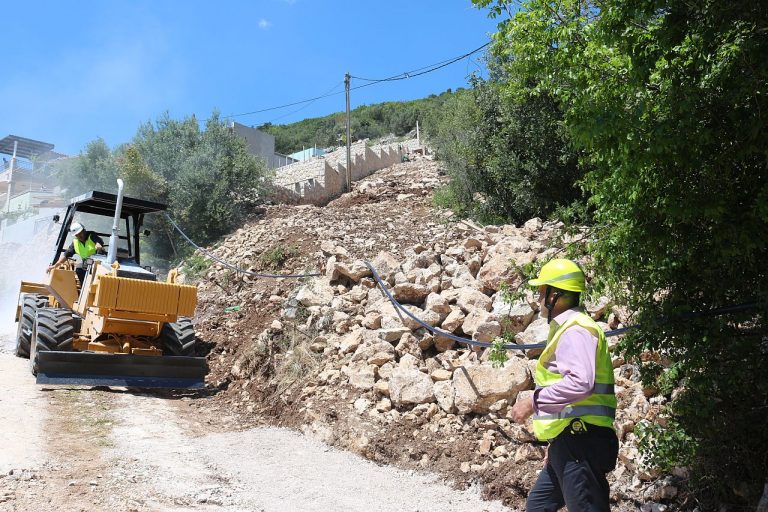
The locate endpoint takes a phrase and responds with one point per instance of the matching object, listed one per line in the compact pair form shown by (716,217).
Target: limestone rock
(536,332)
(438,304)
(470,299)
(355,271)
(454,320)
(487,331)
(386,265)
(372,320)
(393,334)
(445,395)
(474,319)
(514,318)
(361,374)
(317,293)
(410,293)
(479,387)
(410,386)
(443,343)
(497,270)
(351,341)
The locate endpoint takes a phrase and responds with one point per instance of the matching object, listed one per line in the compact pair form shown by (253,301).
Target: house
(28,198)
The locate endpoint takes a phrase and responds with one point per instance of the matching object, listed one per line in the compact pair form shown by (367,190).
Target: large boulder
(410,386)
(478,387)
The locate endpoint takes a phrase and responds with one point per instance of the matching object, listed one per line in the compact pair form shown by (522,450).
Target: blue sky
(74,71)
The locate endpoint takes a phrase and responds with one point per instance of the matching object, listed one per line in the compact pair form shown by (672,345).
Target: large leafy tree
(206,176)
(512,150)
(668,98)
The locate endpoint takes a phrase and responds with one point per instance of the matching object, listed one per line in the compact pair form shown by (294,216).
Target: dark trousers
(575,473)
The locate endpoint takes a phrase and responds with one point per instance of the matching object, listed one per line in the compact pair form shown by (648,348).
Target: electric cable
(402,76)
(229,265)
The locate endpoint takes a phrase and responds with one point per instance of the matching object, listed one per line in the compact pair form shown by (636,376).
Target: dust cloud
(19,262)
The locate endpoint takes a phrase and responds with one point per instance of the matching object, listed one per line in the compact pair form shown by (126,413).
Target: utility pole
(349,141)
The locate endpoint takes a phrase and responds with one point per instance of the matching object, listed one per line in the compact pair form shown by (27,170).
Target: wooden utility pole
(349,141)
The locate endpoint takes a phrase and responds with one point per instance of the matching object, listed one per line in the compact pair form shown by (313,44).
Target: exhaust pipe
(114,237)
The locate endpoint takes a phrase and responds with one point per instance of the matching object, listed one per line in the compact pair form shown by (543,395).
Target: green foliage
(498,354)
(509,159)
(195,266)
(664,448)
(95,169)
(666,100)
(367,121)
(206,176)
(275,257)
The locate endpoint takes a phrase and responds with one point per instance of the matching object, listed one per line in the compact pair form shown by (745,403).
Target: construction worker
(84,243)
(574,404)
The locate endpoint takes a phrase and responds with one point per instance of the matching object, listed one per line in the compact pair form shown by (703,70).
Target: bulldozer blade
(96,369)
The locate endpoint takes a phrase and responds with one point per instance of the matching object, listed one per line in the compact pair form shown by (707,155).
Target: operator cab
(96,211)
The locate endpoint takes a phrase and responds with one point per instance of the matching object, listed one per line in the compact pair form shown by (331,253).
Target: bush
(509,160)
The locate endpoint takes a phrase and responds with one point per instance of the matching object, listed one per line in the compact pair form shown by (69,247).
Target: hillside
(396,118)
(330,357)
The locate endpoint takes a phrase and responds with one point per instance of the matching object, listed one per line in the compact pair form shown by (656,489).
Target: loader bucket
(97,369)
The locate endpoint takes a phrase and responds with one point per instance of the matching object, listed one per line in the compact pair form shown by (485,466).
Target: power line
(420,71)
(308,104)
(402,76)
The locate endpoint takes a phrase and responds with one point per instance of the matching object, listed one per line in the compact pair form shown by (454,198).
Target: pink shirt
(574,359)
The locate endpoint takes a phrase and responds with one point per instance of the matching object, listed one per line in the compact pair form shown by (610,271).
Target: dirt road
(81,449)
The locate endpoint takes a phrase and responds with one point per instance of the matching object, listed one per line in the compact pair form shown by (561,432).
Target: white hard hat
(76,228)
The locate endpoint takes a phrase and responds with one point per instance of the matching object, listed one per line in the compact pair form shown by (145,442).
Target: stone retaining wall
(321,179)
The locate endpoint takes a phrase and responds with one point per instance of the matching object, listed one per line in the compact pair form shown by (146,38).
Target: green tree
(212,179)
(93,169)
(668,98)
(514,152)
(207,177)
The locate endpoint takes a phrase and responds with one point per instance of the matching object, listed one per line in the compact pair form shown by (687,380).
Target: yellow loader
(121,326)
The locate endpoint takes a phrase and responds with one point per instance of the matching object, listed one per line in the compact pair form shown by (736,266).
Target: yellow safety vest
(597,409)
(84,250)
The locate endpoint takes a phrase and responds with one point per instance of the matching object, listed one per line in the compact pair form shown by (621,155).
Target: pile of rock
(379,374)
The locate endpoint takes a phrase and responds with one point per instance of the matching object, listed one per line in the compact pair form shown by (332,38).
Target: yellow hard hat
(561,273)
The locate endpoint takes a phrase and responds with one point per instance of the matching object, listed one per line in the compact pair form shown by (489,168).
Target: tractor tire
(178,338)
(54,329)
(29,306)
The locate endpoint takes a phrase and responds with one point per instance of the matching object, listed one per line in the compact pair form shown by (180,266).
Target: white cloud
(264,24)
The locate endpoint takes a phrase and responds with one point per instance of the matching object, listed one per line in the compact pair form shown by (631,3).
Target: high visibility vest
(597,409)
(84,250)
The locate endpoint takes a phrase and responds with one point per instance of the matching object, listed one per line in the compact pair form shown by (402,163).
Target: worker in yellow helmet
(574,404)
